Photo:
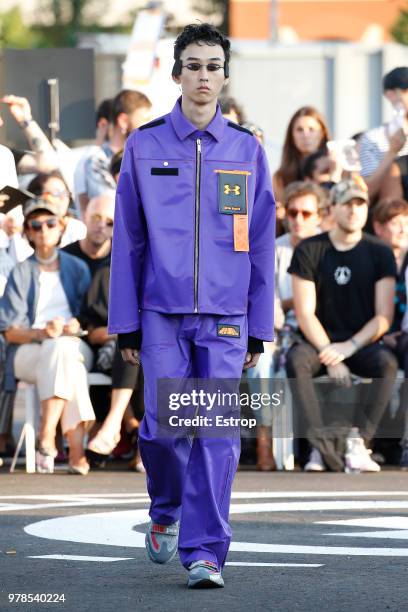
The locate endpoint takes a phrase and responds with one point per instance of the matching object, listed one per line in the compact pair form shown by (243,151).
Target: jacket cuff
(255,345)
(132,340)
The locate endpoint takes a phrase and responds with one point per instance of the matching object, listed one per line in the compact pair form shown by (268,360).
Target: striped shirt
(374,145)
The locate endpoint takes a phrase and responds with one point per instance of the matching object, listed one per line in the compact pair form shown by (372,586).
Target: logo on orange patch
(231,331)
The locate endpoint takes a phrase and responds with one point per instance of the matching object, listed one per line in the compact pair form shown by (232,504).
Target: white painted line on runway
(385,522)
(71,496)
(344,551)
(312,494)
(79,558)
(317,506)
(245,564)
(74,504)
(118,529)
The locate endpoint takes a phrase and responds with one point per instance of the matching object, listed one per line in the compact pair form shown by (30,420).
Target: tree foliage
(209,7)
(13,32)
(399,31)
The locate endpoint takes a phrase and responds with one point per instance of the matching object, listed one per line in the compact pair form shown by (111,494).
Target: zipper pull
(199,145)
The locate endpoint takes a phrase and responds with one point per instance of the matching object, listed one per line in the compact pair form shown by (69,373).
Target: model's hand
(71,327)
(131,356)
(251,360)
(397,141)
(336,353)
(19,107)
(340,373)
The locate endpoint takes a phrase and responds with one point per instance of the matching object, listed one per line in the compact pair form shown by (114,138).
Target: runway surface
(302,542)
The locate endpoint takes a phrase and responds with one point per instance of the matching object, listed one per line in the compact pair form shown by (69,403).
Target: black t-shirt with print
(345,280)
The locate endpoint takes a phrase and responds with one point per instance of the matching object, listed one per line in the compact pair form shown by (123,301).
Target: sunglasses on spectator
(292,213)
(56,194)
(100,219)
(37,225)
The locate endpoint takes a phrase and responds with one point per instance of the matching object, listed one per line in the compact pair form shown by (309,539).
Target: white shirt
(8,174)
(283,256)
(52,301)
(374,144)
(74,231)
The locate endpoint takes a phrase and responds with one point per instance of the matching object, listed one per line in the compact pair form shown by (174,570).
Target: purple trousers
(190,479)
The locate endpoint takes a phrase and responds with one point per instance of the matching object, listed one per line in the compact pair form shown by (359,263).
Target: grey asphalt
(342,581)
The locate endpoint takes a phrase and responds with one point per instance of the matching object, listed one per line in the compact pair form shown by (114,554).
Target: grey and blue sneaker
(161,541)
(204,575)
(404,456)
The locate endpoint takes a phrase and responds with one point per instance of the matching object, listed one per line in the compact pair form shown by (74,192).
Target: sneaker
(358,457)
(204,575)
(404,456)
(315,463)
(161,541)
(44,461)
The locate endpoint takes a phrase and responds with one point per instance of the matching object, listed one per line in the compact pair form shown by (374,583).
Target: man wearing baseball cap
(343,289)
(381,145)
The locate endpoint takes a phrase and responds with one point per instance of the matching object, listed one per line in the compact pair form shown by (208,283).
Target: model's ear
(176,79)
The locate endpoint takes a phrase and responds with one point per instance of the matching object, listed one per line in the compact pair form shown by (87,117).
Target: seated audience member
(343,291)
(395,183)
(390,223)
(231,110)
(53,188)
(38,316)
(381,145)
(45,158)
(317,167)
(302,201)
(109,360)
(115,165)
(307,132)
(130,110)
(95,248)
(12,235)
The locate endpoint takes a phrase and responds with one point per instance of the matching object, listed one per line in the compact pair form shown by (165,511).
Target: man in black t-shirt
(343,288)
(95,248)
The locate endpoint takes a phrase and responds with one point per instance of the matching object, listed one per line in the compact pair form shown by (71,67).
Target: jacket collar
(184,128)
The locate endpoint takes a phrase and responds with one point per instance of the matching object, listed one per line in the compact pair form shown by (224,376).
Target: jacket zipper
(197,222)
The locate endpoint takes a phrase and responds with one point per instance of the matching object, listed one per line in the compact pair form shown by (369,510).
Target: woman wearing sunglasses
(52,187)
(38,314)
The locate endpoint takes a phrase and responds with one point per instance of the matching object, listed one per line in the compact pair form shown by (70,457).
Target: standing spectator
(38,315)
(307,132)
(130,110)
(381,145)
(343,287)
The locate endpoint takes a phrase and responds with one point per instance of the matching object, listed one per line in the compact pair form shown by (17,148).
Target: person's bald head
(99,218)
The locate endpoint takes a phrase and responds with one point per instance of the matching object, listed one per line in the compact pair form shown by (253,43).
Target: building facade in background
(347,20)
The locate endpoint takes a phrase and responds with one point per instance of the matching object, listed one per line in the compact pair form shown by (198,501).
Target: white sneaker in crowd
(315,463)
(358,457)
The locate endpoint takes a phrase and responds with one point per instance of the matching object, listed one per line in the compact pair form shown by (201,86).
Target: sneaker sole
(204,583)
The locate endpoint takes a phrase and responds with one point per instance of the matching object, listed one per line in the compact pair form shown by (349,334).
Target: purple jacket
(173,242)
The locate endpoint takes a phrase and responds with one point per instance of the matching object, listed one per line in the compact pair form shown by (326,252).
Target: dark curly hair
(201,33)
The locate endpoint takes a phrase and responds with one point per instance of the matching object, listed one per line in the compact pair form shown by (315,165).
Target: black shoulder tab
(239,128)
(152,124)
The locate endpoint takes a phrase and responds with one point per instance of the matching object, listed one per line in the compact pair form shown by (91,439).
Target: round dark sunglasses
(37,225)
